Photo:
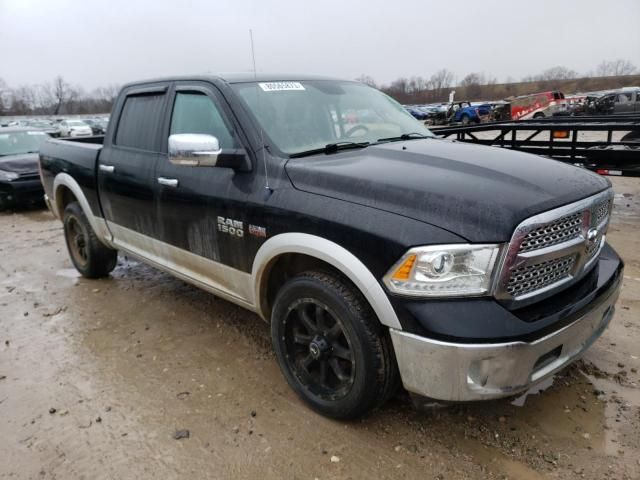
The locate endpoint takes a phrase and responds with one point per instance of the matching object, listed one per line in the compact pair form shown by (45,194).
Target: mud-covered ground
(96,378)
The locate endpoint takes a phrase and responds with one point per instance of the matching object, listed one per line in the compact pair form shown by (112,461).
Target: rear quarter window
(140,122)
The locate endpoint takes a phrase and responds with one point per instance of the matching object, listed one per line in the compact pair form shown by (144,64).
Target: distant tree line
(476,86)
(57,97)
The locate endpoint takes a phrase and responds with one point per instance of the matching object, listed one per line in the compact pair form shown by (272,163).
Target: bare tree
(57,94)
(440,81)
(615,68)
(5,94)
(25,99)
(367,80)
(558,73)
(472,83)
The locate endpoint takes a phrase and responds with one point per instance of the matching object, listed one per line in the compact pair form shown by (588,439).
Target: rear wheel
(466,120)
(330,346)
(90,256)
(539,115)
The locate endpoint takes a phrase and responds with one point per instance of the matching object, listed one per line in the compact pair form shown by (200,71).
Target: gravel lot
(98,378)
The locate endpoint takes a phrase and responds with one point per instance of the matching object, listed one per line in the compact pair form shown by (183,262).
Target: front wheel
(330,346)
(90,256)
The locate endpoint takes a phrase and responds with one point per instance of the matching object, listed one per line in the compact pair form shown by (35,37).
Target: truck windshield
(15,143)
(309,115)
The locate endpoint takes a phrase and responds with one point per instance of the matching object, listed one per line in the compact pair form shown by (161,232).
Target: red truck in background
(544,104)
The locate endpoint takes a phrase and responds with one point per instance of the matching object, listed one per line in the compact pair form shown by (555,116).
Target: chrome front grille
(559,231)
(528,279)
(553,249)
(601,211)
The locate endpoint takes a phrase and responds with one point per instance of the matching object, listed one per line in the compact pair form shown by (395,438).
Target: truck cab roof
(239,77)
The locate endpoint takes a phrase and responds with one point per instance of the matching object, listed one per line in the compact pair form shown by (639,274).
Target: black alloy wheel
(318,349)
(330,346)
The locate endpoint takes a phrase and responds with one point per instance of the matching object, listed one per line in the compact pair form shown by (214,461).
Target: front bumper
(21,192)
(474,371)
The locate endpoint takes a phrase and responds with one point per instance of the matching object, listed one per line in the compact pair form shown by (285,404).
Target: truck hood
(477,192)
(22,164)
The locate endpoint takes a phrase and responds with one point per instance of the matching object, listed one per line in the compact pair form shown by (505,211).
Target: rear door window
(140,122)
(624,97)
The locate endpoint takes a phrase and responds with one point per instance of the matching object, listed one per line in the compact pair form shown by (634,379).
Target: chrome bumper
(460,372)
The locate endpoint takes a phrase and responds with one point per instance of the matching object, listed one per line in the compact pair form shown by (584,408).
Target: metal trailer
(565,138)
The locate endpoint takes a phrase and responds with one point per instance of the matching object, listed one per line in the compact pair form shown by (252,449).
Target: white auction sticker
(280,86)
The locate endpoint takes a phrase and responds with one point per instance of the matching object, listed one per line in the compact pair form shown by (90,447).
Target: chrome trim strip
(333,254)
(98,224)
(461,372)
(221,280)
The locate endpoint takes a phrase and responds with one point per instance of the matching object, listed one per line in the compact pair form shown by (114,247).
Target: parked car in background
(417,114)
(74,128)
(96,125)
(615,103)
(537,105)
(44,126)
(19,178)
(465,112)
(436,113)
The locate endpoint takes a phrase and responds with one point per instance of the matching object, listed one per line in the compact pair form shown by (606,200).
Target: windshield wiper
(405,136)
(331,148)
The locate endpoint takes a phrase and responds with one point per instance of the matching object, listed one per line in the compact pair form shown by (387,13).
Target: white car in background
(74,128)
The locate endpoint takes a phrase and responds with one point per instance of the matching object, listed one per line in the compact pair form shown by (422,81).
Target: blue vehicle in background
(419,115)
(466,113)
(463,112)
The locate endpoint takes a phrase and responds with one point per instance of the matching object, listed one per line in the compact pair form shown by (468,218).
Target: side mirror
(202,150)
(194,149)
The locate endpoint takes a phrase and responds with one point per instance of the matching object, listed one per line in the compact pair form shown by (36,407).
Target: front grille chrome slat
(556,232)
(524,280)
(553,249)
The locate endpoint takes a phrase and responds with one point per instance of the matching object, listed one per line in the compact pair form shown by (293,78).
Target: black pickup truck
(378,253)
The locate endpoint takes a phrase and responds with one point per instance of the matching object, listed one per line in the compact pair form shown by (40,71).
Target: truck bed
(75,156)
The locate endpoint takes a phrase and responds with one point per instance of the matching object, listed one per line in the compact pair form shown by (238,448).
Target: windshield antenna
(255,77)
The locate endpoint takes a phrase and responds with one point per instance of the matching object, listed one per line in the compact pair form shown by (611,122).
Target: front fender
(331,253)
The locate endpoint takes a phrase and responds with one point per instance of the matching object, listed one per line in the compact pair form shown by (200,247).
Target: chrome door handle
(107,168)
(168,182)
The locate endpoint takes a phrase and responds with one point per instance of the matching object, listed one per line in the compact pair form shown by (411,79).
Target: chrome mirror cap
(194,149)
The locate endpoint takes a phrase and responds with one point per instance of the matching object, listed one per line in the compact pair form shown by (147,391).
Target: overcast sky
(99,42)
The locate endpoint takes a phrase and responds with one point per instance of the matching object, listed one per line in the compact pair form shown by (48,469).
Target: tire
(90,256)
(318,318)
(539,115)
(465,119)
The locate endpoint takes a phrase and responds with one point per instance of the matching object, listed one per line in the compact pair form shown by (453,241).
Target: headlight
(443,271)
(8,176)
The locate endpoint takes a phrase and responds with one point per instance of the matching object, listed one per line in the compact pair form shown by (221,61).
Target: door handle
(168,182)
(107,168)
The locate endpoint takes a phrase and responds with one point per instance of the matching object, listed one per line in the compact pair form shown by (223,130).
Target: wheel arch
(322,251)
(66,189)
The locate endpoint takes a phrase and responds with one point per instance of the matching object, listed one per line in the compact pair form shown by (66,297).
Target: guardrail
(568,139)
